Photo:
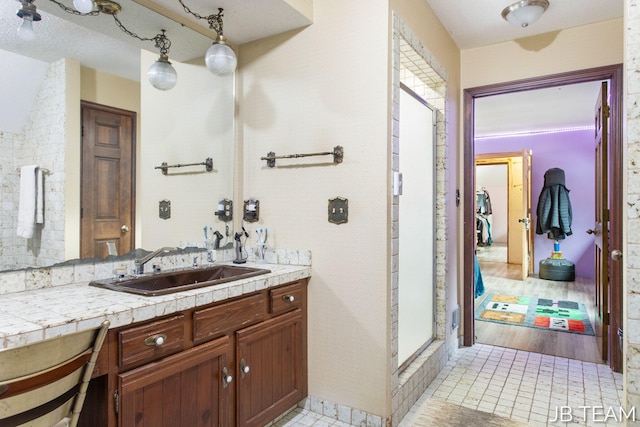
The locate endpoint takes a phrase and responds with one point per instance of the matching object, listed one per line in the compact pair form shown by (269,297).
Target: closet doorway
(504,223)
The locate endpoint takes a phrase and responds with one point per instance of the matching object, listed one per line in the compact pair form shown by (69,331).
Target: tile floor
(518,385)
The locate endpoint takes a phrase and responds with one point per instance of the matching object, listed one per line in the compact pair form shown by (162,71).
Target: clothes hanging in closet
(483,218)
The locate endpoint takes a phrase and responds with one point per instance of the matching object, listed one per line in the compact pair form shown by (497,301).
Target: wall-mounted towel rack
(44,170)
(207,163)
(337,153)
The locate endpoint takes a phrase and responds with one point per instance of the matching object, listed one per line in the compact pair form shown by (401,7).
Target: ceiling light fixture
(161,74)
(525,12)
(220,58)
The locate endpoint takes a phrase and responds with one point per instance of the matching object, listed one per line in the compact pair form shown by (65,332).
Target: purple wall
(572,151)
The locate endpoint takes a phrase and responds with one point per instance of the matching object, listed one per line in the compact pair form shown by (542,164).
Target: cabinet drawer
(150,342)
(215,321)
(286,298)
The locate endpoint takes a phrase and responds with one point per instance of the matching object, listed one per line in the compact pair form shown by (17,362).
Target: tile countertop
(34,315)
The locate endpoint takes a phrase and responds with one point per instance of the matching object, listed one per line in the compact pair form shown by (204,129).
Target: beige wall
(307,91)
(187,124)
(551,53)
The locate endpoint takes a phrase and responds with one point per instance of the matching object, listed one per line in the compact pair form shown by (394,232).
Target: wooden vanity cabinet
(240,362)
(270,361)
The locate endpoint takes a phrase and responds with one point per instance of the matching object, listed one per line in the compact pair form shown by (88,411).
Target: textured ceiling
(474,24)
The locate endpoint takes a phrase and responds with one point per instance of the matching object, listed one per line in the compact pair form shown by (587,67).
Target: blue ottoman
(558,269)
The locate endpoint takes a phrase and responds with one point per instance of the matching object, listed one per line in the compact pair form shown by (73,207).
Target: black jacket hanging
(554,207)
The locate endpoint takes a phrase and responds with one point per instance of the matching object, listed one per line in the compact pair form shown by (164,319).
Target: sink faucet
(142,261)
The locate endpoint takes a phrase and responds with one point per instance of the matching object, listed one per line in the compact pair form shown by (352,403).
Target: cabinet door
(270,362)
(187,389)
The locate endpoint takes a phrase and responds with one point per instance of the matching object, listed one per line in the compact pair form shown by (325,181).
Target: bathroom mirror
(188,124)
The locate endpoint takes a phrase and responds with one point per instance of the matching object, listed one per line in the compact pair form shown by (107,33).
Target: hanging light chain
(162,41)
(73,11)
(215,21)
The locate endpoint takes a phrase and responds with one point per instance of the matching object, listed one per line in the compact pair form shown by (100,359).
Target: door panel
(108,179)
(601,228)
(525,219)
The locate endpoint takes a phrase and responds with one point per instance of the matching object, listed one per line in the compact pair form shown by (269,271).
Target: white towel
(30,196)
(39,196)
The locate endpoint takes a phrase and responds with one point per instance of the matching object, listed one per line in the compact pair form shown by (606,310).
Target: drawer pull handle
(155,340)
(226,378)
(244,368)
(288,298)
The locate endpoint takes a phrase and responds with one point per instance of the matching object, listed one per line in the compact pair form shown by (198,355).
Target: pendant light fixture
(28,13)
(220,58)
(161,74)
(525,12)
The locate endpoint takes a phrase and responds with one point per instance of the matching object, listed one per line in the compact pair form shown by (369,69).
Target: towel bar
(208,163)
(338,155)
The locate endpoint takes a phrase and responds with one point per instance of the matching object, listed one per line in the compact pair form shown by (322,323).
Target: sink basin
(179,280)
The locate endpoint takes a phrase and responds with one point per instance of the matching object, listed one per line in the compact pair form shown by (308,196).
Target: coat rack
(337,153)
(208,163)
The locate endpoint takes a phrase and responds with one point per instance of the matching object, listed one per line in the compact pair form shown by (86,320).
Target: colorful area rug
(557,315)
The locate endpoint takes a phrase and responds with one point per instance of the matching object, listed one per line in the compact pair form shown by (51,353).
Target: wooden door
(601,228)
(108,180)
(270,369)
(525,219)
(188,389)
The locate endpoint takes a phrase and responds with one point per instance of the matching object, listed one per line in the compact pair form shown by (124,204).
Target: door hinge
(116,401)
(606,111)
(605,318)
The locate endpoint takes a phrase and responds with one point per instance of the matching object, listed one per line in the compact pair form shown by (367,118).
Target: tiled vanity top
(33,315)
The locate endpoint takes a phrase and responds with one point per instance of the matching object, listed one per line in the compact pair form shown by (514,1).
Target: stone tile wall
(414,65)
(43,143)
(632,252)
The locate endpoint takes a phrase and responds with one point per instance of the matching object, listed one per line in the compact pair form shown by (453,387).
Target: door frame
(613,73)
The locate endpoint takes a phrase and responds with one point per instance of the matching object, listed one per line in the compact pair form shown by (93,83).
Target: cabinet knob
(155,340)
(244,368)
(288,298)
(226,378)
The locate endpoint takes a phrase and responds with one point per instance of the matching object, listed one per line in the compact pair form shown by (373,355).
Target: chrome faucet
(142,261)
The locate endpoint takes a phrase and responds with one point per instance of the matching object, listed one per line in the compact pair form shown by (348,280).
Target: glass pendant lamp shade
(28,13)
(220,58)
(83,6)
(25,31)
(525,12)
(162,75)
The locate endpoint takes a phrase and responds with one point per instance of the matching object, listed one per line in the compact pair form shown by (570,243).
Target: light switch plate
(338,210)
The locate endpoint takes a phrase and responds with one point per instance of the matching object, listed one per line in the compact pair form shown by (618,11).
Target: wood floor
(500,277)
